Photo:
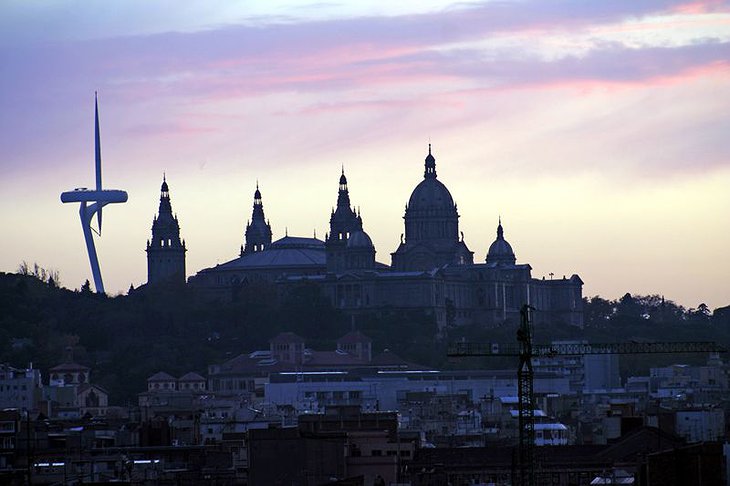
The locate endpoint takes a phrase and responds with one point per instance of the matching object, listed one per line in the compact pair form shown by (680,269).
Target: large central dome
(432,227)
(431,212)
(430,194)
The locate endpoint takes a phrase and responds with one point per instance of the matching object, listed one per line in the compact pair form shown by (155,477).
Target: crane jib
(577,349)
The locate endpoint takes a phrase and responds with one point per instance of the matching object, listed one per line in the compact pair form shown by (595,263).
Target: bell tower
(165,252)
(258,231)
(344,222)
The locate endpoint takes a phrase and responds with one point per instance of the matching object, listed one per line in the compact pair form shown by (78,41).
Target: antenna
(98,198)
(97,152)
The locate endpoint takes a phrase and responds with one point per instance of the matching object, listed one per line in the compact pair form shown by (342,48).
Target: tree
(701,315)
(598,311)
(49,276)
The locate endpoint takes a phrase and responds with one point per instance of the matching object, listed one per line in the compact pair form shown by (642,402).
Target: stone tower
(165,252)
(348,246)
(258,231)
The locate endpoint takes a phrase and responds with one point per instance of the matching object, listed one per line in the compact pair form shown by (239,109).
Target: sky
(598,131)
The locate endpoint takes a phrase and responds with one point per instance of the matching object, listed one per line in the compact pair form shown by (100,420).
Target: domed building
(500,252)
(262,260)
(431,227)
(432,271)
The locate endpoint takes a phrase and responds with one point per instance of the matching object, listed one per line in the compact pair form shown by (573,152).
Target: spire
(97,155)
(165,206)
(430,165)
(343,180)
(97,142)
(166,250)
(257,197)
(257,216)
(343,198)
(258,232)
(500,231)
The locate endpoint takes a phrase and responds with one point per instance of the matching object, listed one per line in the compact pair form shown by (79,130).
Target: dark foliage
(125,339)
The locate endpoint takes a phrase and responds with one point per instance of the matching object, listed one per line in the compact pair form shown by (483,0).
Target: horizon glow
(598,131)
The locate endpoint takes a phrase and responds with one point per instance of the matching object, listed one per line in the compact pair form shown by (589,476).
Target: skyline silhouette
(595,131)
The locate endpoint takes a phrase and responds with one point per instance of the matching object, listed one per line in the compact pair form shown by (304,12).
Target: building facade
(432,269)
(19,387)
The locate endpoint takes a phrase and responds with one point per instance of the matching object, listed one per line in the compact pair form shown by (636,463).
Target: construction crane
(526,350)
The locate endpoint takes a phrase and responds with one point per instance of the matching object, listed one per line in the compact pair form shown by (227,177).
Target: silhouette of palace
(432,270)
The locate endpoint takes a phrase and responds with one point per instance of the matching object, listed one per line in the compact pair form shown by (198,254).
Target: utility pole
(28,454)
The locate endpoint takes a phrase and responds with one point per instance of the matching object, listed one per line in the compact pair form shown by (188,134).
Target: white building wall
(384,392)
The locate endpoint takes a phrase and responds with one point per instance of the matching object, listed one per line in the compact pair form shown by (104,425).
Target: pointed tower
(165,252)
(344,224)
(258,231)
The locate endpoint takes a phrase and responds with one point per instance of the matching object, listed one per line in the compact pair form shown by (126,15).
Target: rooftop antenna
(99,198)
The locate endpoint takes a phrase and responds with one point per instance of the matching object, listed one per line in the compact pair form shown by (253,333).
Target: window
(377,452)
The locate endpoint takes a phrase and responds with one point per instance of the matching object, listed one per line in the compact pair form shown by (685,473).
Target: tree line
(127,338)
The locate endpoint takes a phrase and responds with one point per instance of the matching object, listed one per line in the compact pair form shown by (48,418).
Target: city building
(19,388)
(432,270)
(70,393)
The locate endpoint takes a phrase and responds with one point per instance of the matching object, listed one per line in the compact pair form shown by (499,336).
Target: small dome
(359,239)
(500,251)
(343,179)
(257,194)
(164,187)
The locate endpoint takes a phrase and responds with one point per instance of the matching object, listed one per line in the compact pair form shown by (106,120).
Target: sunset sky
(599,131)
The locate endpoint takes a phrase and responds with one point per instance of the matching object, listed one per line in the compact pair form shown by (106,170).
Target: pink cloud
(178,72)
(701,6)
